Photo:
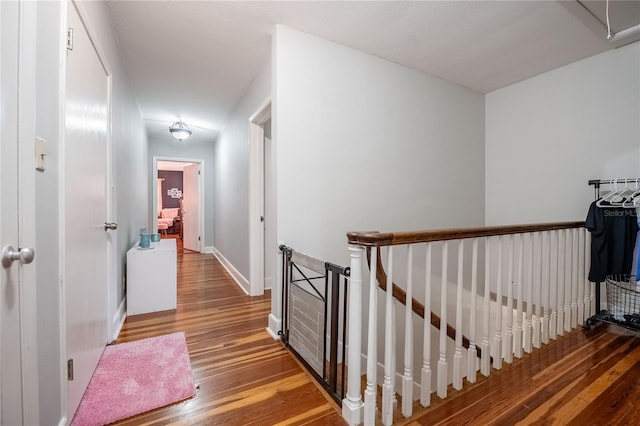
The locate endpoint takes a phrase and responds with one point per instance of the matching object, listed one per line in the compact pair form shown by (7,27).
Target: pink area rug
(135,377)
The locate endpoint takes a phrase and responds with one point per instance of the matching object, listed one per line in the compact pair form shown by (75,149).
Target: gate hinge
(198,238)
(70,38)
(70,369)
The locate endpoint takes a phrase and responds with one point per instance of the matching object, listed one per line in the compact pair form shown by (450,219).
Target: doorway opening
(263,246)
(178,201)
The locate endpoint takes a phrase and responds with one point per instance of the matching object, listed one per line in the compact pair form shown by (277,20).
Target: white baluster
(497,353)
(457,356)
(442,361)
(546,286)
(407,378)
(425,382)
(472,352)
(485,358)
(372,339)
(561,281)
(537,283)
(517,336)
(528,326)
(568,280)
(579,277)
(389,372)
(575,255)
(553,283)
(394,356)
(508,335)
(352,406)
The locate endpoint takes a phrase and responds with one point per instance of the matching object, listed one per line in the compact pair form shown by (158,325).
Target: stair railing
(534,288)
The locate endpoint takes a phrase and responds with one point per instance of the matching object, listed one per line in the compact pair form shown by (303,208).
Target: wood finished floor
(245,377)
(583,378)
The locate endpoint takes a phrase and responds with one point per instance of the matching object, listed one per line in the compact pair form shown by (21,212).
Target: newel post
(352,406)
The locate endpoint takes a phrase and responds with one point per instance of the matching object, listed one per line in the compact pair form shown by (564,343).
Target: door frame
(256,197)
(110,213)
(154,194)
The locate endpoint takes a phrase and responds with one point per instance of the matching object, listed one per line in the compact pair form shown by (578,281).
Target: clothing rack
(598,182)
(600,315)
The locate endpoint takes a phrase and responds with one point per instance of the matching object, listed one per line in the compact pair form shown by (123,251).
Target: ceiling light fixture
(180,130)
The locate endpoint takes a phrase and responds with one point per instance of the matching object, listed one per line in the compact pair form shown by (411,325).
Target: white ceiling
(196,59)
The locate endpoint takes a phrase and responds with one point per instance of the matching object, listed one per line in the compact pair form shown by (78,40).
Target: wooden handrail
(378,239)
(417,307)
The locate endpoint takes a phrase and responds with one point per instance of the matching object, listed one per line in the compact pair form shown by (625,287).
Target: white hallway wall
(548,135)
(366,144)
(129,169)
(167,147)
(231,176)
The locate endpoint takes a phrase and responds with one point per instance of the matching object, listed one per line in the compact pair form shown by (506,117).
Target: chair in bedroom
(168,218)
(162,228)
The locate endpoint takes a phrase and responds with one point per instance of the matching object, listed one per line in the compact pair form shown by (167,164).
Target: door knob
(110,226)
(24,255)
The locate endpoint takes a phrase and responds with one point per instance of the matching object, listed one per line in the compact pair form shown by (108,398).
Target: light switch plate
(41,154)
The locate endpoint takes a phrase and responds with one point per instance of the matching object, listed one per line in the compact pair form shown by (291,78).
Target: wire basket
(623,299)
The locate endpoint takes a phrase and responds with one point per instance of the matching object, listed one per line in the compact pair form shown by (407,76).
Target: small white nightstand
(151,278)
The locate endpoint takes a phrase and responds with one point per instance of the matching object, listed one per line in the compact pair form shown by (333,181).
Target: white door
(191,207)
(86,209)
(18,339)
(10,378)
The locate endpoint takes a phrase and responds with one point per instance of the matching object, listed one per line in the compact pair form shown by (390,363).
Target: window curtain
(160,180)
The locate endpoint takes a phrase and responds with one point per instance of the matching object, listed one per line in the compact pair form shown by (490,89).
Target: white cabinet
(151,278)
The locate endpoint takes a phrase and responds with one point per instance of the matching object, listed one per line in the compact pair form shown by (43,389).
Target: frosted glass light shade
(179,130)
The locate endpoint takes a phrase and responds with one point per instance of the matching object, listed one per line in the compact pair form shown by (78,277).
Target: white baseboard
(275,326)
(63,422)
(242,282)
(268,283)
(118,320)
(208,250)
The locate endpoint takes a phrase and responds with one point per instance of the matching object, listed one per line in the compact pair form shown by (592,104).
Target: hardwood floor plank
(551,390)
(569,381)
(309,416)
(619,405)
(602,389)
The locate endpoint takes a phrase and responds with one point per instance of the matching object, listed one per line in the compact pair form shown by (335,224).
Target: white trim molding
(242,282)
(275,326)
(154,194)
(209,250)
(118,320)
(256,197)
